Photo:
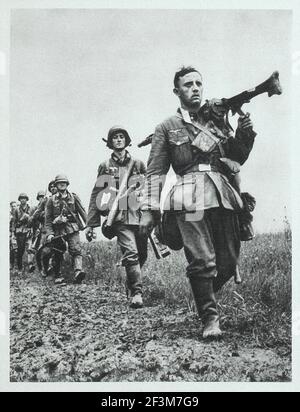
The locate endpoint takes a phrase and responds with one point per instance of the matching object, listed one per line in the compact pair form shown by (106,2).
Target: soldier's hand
(90,234)
(245,123)
(146,223)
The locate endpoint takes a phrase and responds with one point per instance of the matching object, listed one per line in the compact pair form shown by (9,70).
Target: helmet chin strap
(120,152)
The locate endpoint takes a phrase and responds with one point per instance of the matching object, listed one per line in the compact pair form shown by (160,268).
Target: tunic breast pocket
(180,146)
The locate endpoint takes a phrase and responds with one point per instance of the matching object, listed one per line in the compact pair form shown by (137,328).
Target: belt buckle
(204,167)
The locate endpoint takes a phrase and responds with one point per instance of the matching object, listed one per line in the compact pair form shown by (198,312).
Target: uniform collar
(185,116)
(58,195)
(24,209)
(120,162)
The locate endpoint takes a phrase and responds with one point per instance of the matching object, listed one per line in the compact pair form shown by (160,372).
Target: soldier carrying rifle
(63,215)
(203,205)
(118,189)
(205,212)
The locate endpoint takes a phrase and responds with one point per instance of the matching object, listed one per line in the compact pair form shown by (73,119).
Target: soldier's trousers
(134,254)
(12,256)
(33,251)
(211,244)
(21,243)
(59,247)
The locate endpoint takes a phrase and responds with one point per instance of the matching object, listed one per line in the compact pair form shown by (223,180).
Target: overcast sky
(76,73)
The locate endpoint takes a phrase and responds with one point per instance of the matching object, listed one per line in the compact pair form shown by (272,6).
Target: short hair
(182,72)
(12,202)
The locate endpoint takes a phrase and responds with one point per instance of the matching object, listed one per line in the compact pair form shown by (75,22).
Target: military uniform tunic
(205,202)
(126,225)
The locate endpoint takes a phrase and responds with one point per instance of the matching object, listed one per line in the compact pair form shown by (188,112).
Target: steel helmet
(61,179)
(23,195)
(40,193)
(112,131)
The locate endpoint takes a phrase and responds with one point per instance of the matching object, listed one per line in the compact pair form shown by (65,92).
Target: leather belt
(202,167)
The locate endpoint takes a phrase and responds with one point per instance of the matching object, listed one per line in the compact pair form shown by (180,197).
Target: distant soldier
(63,223)
(36,221)
(45,253)
(12,238)
(126,224)
(21,228)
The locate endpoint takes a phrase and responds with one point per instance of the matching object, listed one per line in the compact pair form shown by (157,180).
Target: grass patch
(260,306)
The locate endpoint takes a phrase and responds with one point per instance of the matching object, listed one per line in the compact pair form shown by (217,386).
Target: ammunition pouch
(168,231)
(246,218)
(108,231)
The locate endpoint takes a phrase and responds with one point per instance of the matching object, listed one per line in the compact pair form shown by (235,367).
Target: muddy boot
(136,301)
(134,285)
(60,281)
(43,273)
(220,280)
(31,268)
(206,306)
(79,274)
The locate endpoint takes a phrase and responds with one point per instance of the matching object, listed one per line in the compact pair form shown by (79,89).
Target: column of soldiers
(206,161)
(46,230)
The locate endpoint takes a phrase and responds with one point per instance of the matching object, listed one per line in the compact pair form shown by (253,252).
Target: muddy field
(87,333)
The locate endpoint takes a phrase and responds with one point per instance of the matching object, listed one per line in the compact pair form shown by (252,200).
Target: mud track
(87,333)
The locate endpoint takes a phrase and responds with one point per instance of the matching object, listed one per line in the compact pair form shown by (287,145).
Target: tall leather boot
(220,280)
(79,274)
(31,266)
(223,278)
(206,306)
(134,285)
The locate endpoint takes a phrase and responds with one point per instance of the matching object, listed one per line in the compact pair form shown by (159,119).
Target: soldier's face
(118,141)
(190,90)
(23,201)
(13,206)
(53,189)
(61,186)
(40,198)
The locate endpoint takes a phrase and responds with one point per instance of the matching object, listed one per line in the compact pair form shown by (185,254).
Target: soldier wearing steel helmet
(63,221)
(21,228)
(12,238)
(126,224)
(35,222)
(45,253)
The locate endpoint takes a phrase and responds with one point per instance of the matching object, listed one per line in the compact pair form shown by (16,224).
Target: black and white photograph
(149,237)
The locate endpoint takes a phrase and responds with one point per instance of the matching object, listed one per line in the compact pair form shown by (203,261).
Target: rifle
(218,109)
(74,216)
(107,224)
(160,250)
(48,243)
(146,141)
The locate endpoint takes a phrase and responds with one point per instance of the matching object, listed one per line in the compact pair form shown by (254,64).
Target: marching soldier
(12,238)
(203,205)
(45,253)
(21,228)
(63,223)
(126,224)
(36,222)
